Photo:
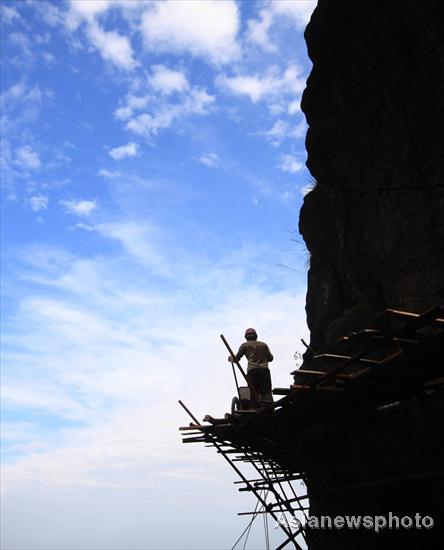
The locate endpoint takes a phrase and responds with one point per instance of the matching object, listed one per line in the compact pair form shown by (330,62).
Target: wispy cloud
(210,159)
(162,114)
(113,347)
(297,13)
(281,90)
(87,10)
(38,202)
(258,30)
(21,43)
(283,130)
(112,46)
(306,189)
(104,173)
(28,158)
(137,239)
(129,150)
(166,80)
(49,58)
(9,13)
(79,207)
(290,163)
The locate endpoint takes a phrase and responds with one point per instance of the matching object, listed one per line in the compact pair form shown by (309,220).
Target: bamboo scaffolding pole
(253,391)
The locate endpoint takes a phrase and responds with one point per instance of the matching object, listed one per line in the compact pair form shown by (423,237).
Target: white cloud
(132,104)
(38,202)
(210,159)
(16,91)
(27,158)
(89,9)
(112,46)
(49,58)
(137,239)
(252,86)
(195,102)
(258,30)
(9,13)
(108,174)
(296,12)
(282,130)
(105,353)
(129,150)
(23,44)
(81,11)
(84,226)
(79,207)
(206,28)
(281,91)
(110,349)
(299,11)
(278,132)
(289,163)
(167,81)
(306,189)
(29,98)
(294,107)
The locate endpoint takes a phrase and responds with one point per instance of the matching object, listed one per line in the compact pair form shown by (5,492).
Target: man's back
(257,353)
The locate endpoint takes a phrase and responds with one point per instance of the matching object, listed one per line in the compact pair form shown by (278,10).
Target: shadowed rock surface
(374,227)
(374,102)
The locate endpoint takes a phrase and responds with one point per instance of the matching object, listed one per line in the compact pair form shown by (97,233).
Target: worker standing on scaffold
(258,355)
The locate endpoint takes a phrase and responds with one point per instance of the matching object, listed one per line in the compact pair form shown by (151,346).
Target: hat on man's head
(250,332)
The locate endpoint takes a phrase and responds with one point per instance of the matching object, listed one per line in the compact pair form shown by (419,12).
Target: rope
(247,527)
(267,534)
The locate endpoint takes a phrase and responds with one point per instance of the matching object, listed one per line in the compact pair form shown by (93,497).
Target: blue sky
(152,174)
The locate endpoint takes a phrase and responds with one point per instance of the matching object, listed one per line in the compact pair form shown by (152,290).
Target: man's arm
(238,355)
(269,355)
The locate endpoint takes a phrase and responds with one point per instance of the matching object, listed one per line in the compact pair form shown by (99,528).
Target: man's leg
(265,385)
(253,377)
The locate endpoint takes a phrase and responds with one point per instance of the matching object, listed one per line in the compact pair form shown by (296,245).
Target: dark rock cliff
(374,102)
(374,227)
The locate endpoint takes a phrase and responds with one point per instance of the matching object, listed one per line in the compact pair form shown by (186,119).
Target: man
(258,355)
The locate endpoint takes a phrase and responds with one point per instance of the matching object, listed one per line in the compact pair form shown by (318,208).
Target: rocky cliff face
(374,102)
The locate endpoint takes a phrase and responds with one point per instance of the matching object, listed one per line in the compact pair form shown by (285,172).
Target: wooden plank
(304,371)
(336,357)
(317,388)
(385,481)
(397,313)
(254,513)
(191,427)
(423,318)
(426,318)
(367,336)
(321,373)
(381,363)
(267,511)
(277,480)
(282,391)
(435,382)
(215,421)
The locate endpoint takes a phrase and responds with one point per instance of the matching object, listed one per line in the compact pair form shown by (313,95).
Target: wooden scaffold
(366,380)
